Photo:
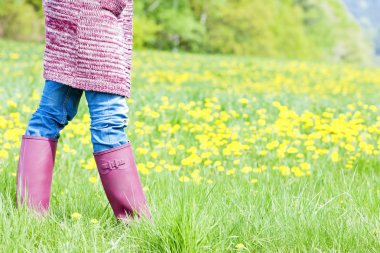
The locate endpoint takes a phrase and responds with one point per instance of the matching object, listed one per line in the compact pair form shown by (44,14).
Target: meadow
(235,154)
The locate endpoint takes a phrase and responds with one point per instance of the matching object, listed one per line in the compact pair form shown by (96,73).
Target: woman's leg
(58,105)
(108,114)
(114,156)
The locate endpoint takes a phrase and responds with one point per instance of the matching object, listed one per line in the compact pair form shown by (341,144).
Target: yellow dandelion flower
(292,150)
(217,163)
(230,172)
(93,180)
(14,56)
(263,152)
(172,151)
(246,169)
(206,155)
(76,216)
(220,168)
(254,180)
(195,173)
(4,154)
(207,162)
(184,179)
(272,145)
(373,108)
(349,147)
(335,157)
(297,171)
(305,166)
(154,154)
(240,246)
(261,122)
(11,103)
(349,166)
(66,148)
(285,170)
(158,168)
(243,101)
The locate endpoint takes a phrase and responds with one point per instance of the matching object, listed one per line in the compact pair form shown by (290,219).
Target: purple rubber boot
(121,182)
(35,172)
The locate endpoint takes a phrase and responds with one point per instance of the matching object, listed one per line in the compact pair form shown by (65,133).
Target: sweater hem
(72,82)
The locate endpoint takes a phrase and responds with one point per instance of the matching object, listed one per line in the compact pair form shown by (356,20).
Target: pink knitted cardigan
(89,44)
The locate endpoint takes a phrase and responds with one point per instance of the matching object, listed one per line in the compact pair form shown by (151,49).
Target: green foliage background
(303,29)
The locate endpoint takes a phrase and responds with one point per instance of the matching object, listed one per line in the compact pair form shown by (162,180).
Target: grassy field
(235,154)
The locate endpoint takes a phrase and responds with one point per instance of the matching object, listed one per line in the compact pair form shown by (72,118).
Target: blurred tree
(37,6)
(287,27)
(18,20)
(179,28)
(237,27)
(267,28)
(145,29)
(333,35)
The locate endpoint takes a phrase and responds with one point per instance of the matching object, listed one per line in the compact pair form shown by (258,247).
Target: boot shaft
(35,171)
(121,181)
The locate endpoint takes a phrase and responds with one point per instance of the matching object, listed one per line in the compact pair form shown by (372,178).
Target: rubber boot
(35,172)
(121,182)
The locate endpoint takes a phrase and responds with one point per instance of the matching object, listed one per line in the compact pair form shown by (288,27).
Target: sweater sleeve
(115,6)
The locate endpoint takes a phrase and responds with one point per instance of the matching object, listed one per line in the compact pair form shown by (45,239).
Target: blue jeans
(59,105)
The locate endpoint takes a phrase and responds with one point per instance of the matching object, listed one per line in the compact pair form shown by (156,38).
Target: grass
(235,154)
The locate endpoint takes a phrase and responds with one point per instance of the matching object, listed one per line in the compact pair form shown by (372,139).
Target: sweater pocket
(100,47)
(114,6)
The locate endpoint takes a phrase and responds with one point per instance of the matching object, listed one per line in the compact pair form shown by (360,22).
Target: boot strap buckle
(115,164)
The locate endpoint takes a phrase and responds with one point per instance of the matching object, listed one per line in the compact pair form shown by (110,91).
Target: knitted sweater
(88,44)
